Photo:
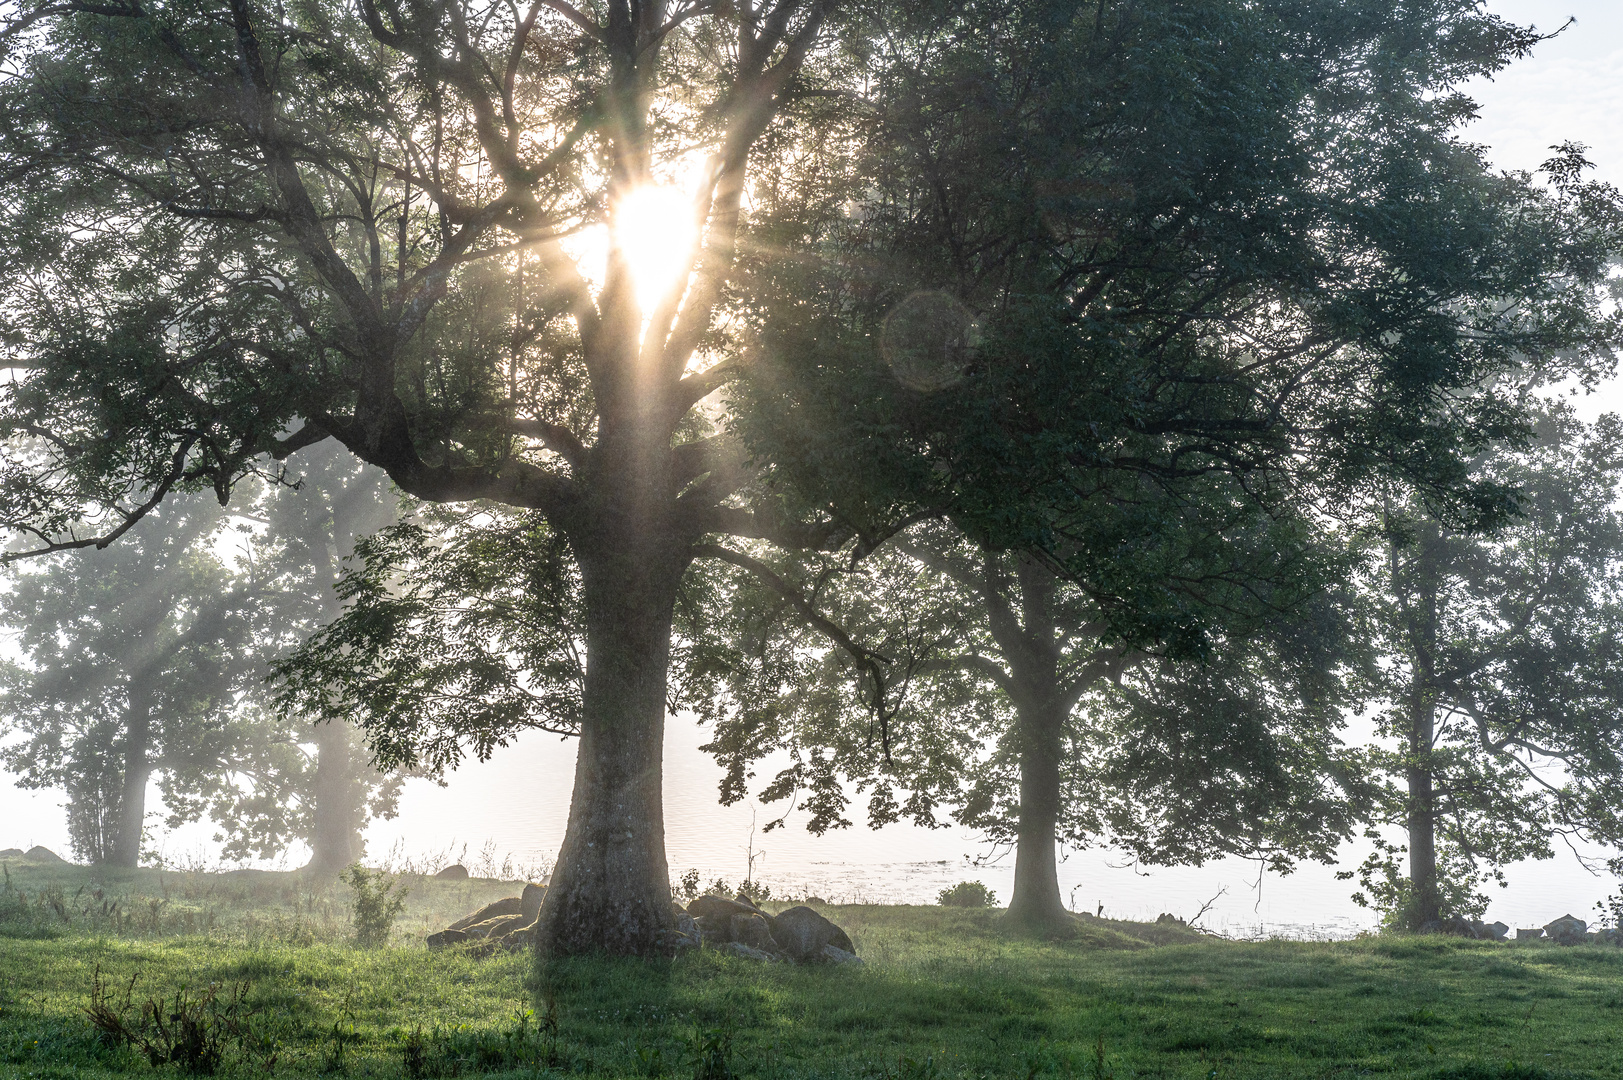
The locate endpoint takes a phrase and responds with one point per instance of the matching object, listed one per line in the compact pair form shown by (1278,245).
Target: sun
(654,231)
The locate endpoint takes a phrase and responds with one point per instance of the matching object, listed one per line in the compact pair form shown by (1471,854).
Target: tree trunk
(335,825)
(1036,901)
(1425,904)
(132,804)
(610,891)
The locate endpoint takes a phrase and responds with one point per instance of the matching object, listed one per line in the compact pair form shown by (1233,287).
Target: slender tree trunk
(1426,900)
(610,890)
(335,827)
(336,814)
(1036,901)
(132,805)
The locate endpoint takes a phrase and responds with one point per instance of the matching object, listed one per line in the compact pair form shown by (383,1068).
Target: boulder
(719,906)
(498,927)
(529,904)
(508,905)
(802,933)
(446,937)
(754,931)
(454,872)
(11,853)
(738,948)
(835,955)
(1608,937)
(1524,934)
(1494,931)
(715,929)
(516,937)
(1455,926)
(42,854)
(1567,930)
(1166,918)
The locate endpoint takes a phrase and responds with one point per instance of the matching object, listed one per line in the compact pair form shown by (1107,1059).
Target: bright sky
(1572,88)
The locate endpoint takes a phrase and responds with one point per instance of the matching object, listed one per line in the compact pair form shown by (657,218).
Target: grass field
(943,994)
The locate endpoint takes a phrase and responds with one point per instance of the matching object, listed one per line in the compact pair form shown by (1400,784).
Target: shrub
(967,894)
(378,901)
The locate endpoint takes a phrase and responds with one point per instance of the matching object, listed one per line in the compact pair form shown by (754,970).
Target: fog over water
(518,801)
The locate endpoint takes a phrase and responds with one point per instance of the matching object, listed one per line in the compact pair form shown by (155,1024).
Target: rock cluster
(1567,930)
(33,854)
(798,935)
(508,923)
(1467,928)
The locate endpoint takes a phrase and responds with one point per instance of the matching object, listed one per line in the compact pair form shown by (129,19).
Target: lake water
(516,805)
(519,801)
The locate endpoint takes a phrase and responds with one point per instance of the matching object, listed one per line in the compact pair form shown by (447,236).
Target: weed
(710,1052)
(650,1061)
(414,1054)
(191,1032)
(335,1053)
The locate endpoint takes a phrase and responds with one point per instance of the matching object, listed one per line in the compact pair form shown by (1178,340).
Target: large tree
(1504,677)
(240,229)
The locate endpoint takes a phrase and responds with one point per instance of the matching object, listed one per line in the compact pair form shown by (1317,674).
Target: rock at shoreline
(1567,930)
(803,934)
(454,872)
(1494,931)
(753,930)
(1530,934)
(719,907)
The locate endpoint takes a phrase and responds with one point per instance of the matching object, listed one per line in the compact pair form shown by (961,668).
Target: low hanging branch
(866,659)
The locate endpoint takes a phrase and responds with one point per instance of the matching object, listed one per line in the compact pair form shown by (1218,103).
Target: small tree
(376,902)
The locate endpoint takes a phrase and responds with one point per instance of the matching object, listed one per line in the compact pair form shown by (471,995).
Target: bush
(967,894)
(378,902)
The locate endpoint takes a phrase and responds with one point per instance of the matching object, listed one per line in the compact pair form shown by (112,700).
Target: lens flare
(654,232)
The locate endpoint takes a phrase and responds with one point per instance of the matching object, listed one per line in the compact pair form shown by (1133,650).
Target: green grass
(943,994)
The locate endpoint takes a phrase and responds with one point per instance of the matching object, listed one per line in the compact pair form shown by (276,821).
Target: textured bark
(1036,901)
(1030,648)
(1426,901)
(137,769)
(610,890)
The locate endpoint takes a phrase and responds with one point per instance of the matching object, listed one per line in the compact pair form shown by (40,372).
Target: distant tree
(1268,250)
(1012,708)
(128,671)
(149,658)
(1504,679)
(314,780)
